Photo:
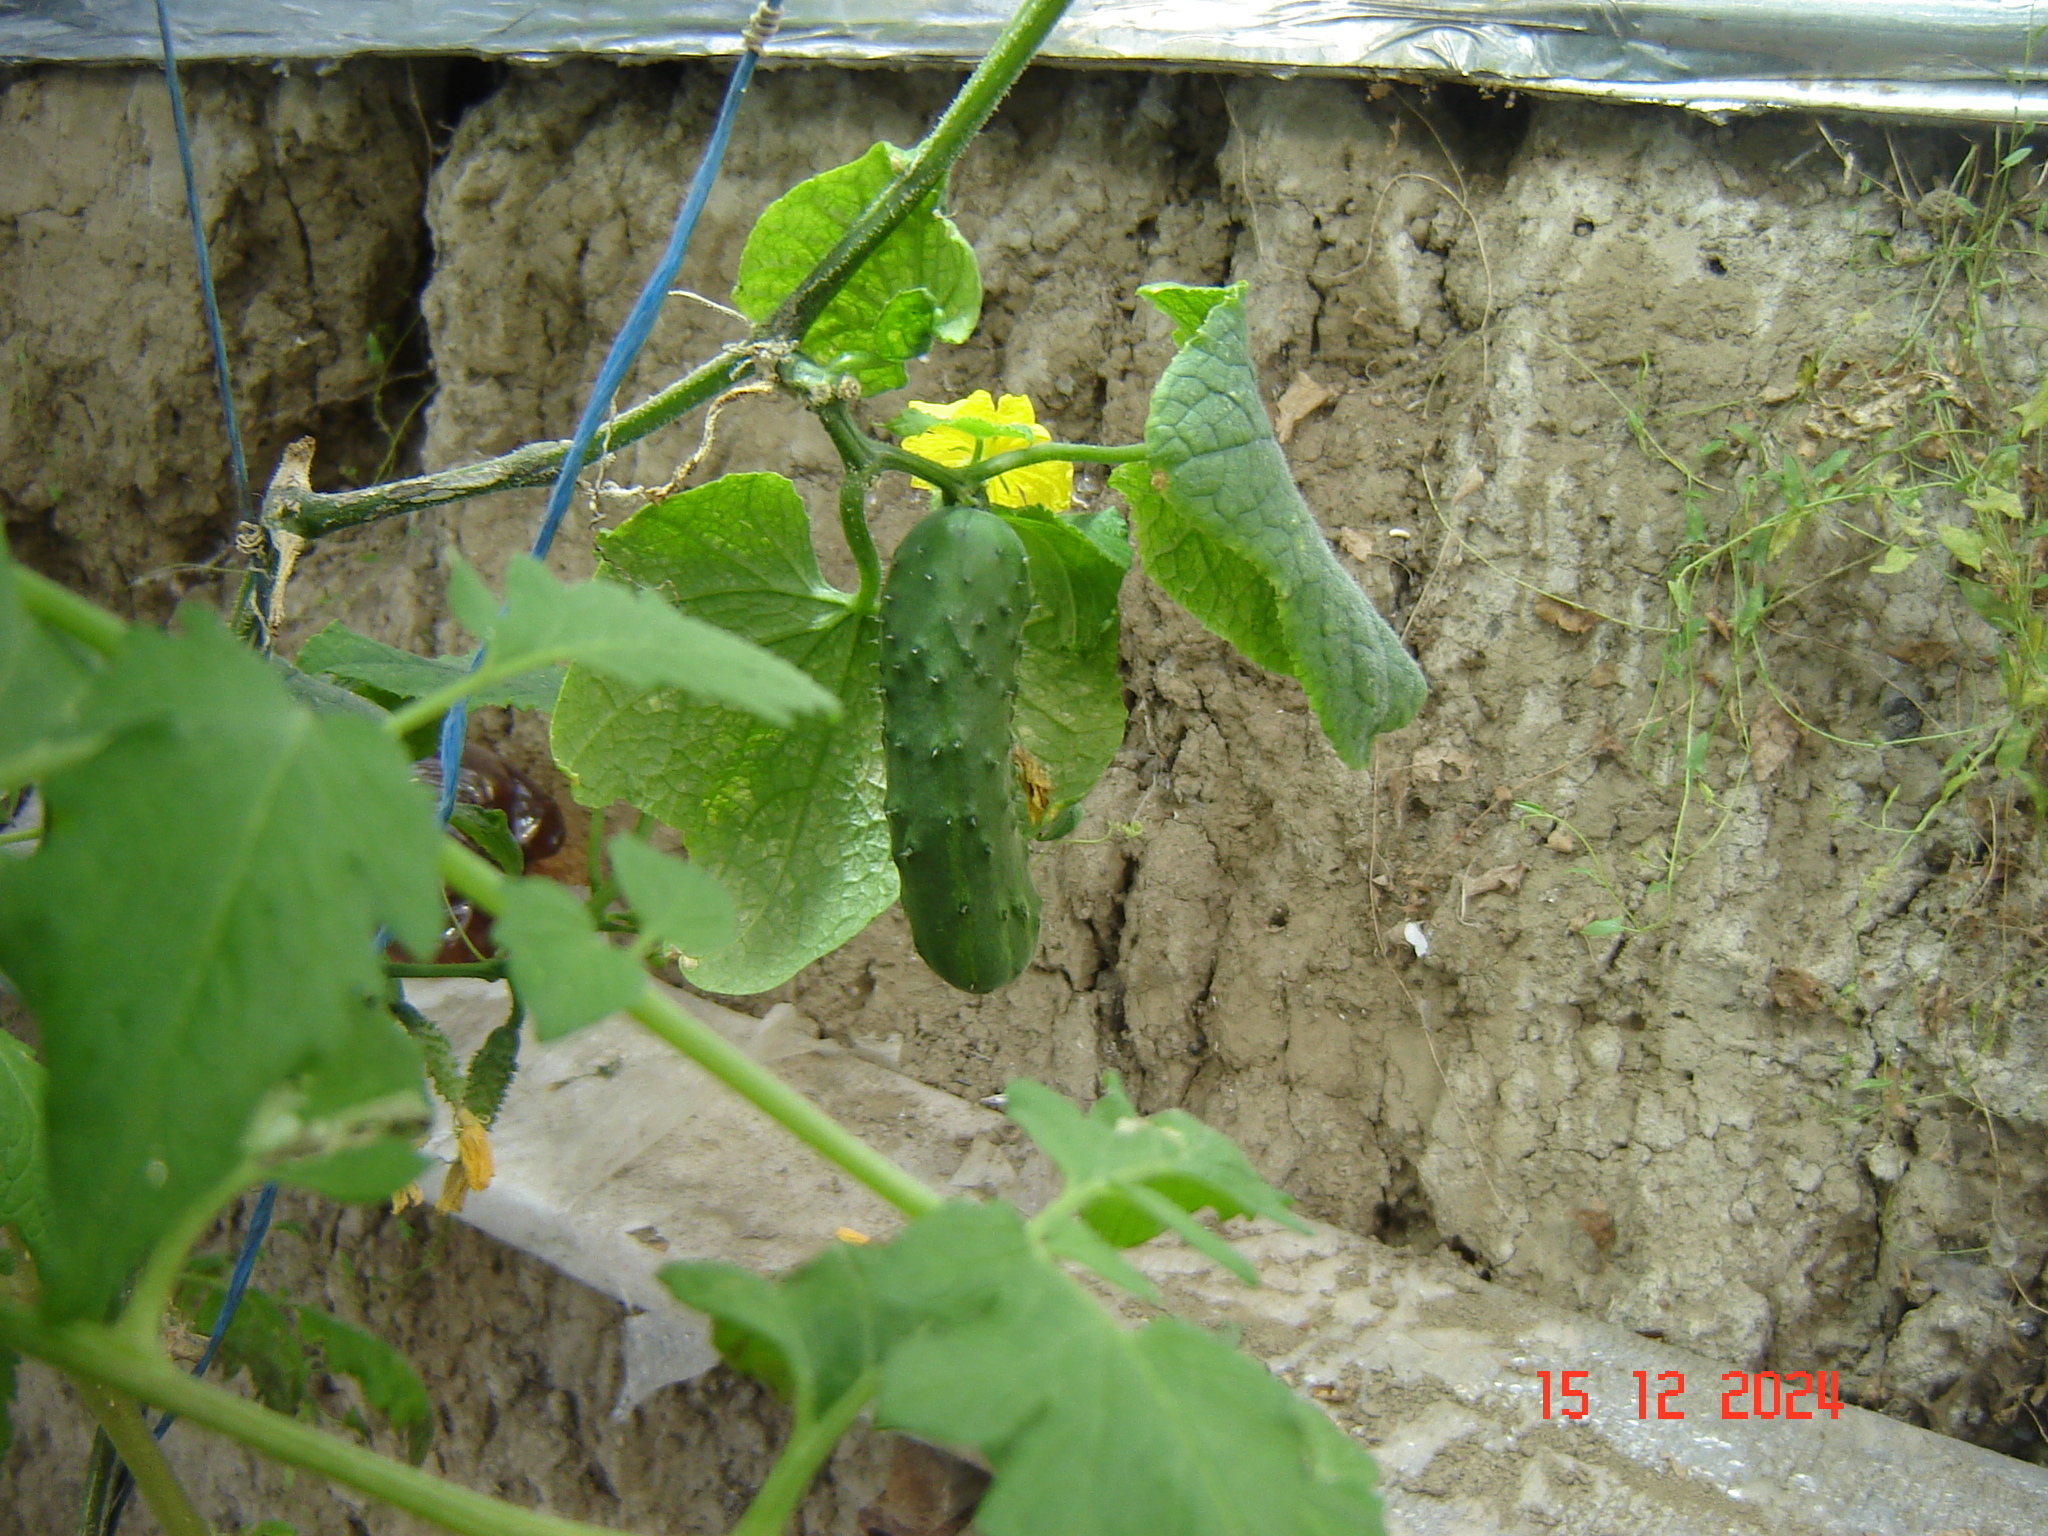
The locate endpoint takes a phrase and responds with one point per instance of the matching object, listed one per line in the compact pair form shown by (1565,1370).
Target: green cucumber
(953,612)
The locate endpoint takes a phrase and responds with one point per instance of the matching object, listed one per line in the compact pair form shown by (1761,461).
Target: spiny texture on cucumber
(953,612)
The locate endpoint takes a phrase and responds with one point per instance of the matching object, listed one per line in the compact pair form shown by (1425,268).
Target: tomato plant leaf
(389,675)
(1165,1431)
(632,636)
(789,822)
(870,328)
(42,677)
(678,903)
(566,974)
(1070,697)
(391,1386)
(198,928)
(1240,549)
(22,1170)
(1148,1173)
(810,1335)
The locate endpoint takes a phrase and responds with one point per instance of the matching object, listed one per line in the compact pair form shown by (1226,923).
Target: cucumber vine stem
(95,1354)
(976,101)
(853,523)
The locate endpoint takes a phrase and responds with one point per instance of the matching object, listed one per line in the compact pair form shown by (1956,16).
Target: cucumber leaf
(198,931)
(1223,530)
(389,675)
(391,1386)
(1070,697)
(789,822)
(877,321)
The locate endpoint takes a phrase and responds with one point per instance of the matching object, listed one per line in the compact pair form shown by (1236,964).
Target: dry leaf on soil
(1429,763)
(1773,737)
(1303,399)
(1507,877)
(1569,617)
(1798,991)
(1356,543)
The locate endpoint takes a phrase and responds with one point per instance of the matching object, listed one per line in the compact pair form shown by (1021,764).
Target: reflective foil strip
(1963,59)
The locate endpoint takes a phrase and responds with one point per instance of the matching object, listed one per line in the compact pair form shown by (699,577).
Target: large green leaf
(631,636)
(1223,530)
(920,283)
(982,1341)
(390,675)
(1070,698)
(22,1167)
(42,679)
(1092,1430)
(788,822)
(199,928)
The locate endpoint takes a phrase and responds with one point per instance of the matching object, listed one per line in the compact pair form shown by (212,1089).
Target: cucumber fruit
(953,612)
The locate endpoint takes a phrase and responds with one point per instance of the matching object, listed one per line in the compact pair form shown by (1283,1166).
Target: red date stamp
(1753,1395)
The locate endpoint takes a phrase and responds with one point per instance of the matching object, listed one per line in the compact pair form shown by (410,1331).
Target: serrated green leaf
(924,253)
(1070,697)
(1150,1171)
(197,929)
(23,1172)
(678,904)
(339,652)
(391,1386)
(491,831)
(1165,1431)
(565,972)
(633,637)
(810,1336)
(261,1338)
(1966,544)
(789,822)
(1238,525)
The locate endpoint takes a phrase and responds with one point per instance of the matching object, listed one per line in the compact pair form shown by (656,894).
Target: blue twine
(238,465)
(625,350)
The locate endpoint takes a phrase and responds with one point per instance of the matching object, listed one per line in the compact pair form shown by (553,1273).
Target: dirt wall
(1529,317)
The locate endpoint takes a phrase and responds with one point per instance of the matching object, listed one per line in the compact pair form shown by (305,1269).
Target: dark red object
(488,782)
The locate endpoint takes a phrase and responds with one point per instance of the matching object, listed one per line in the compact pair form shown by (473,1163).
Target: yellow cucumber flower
(1000,426)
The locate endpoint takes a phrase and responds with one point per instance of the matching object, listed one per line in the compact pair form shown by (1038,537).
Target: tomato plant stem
(94,1355)
(484,885)
(808,1446)
(154,1480)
